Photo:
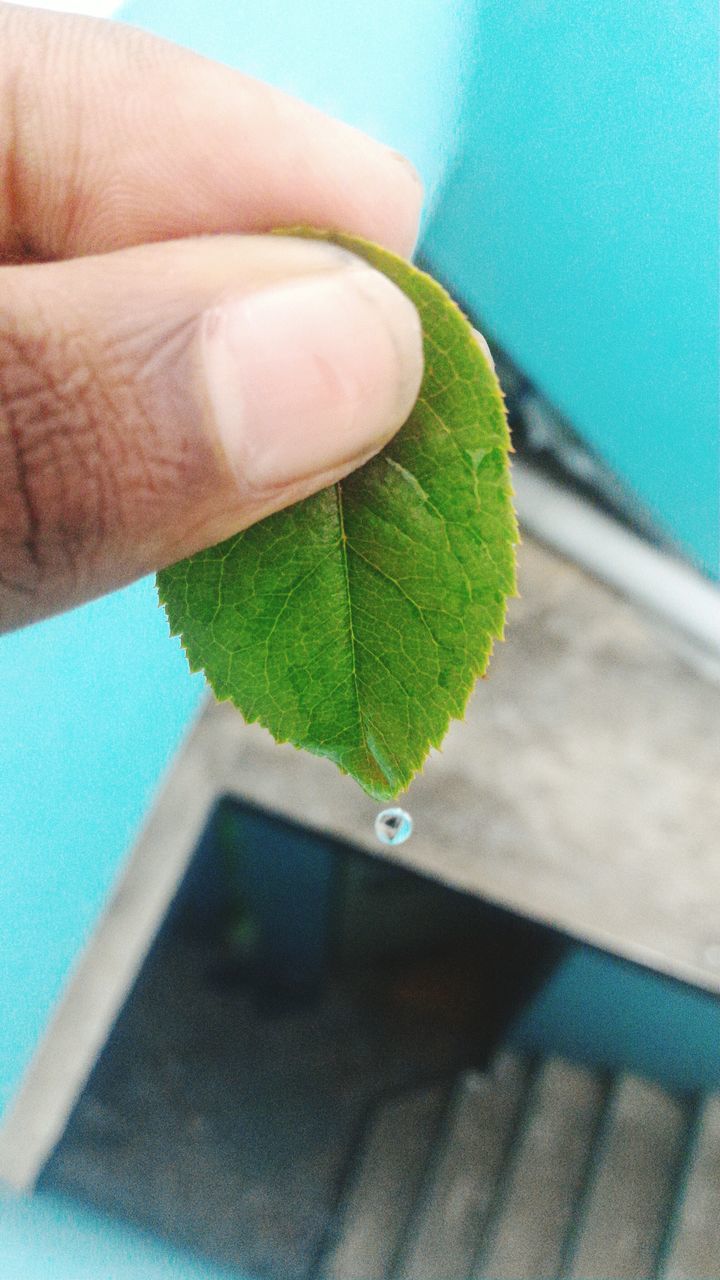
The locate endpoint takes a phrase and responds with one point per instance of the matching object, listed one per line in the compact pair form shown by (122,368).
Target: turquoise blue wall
(49,1238)
(581,225)
(93,704)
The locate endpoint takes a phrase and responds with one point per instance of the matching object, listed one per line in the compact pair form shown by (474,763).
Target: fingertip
(393,207)
(380,192)
(410,201)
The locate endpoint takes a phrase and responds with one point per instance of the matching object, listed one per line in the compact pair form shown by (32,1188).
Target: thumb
(155,400)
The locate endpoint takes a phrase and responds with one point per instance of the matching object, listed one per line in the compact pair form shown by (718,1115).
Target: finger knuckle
(52,497)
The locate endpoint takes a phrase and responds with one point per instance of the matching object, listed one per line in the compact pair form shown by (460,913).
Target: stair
(631,1189)
(384,1186)
(695,1251)
(546,1172)
(459,1190)
(533,1171)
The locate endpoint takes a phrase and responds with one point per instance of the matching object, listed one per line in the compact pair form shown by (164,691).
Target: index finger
(110,137)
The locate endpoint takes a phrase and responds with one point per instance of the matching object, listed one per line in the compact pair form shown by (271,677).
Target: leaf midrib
(353,641)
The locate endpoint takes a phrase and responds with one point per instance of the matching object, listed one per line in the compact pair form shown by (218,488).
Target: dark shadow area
(295,983)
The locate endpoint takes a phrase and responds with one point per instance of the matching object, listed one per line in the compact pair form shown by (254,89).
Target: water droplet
(393,826)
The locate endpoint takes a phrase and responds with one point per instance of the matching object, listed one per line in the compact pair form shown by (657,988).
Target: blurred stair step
(629,1196)
(546,1170)
(695,1251)
(383,1188)
(462,1179)
(545,1176)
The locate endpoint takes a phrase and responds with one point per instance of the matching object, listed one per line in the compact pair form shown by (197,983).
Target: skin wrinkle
(52,403)
(56,441)
(161,465)
(13,391)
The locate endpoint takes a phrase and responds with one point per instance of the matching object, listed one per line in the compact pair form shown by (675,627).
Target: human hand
(164,379)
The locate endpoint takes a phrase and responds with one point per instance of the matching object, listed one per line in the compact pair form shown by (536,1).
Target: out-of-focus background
(237,1036)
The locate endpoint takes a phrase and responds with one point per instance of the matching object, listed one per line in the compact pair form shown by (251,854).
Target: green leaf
(356,623)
